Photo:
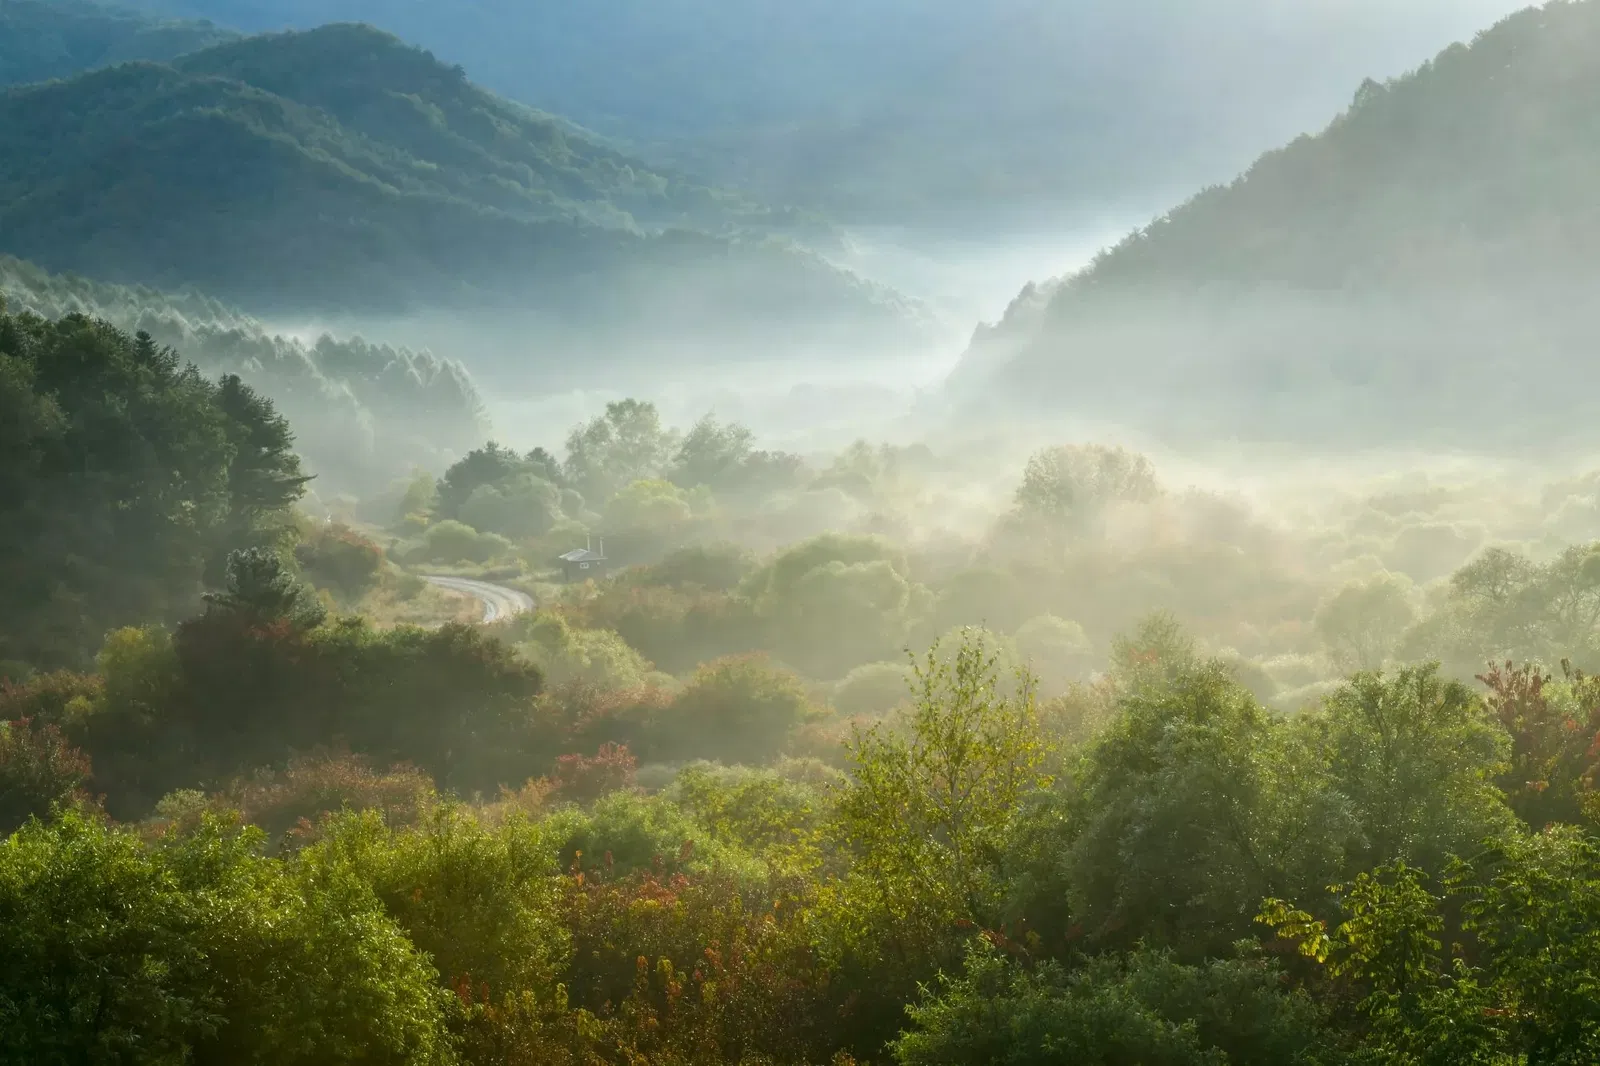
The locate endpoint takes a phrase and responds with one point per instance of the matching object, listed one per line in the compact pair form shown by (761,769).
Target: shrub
(337,558)
(456,542)
(579,779)
(290,804)
(737,710)
(39,772)
(1144,1008)
(873,690)
(200,950)
(479,899)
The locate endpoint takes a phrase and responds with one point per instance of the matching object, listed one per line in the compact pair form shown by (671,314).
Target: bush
(565,653)
(478,899)
(521,507)
(39,772)
(200,950)
(578,779)
(736,710)
(714,567)
(1144,1008)
(1057,650)
(873,690)
(337,558)
(626,832)
(456,542)
(290,804)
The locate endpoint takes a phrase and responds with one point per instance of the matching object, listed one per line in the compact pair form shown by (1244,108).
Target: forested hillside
(128,479)
(1388,276)
(362,174)
(44,39)
(932,111)
(703,810)
(365,413)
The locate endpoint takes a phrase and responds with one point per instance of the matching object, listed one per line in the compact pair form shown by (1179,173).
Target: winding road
(499,602)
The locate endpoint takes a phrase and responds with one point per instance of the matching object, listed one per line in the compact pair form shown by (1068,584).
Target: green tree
(1068,489)
(1145,1008)
(200,950)
(264,478)
(1193,804)
(127,475)
(261,590)
(712,454)
(1416,757)
(624,445)
(482,467)
(738,710)
(928,807)
(1517,983)
(1361,624)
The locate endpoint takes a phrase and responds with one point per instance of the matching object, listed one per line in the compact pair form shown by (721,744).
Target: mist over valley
(829,534)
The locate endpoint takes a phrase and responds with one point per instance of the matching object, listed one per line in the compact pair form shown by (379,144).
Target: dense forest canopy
(1435,239)
(703,808)
(364,175)
(335,731)
(128,479)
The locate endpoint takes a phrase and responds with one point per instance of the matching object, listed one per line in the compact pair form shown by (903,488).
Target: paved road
(499,602)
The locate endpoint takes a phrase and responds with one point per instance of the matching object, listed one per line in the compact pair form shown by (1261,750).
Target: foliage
(1416,758)
(1518,986)
(873,690)
(737,710)
(583,779)
(262,592)
(363,412)
(478,899)
(366,175)
(1194,792)
(200,950)
(290,805)
(127,480)
(1361,624)
(39,772)
(925,815)
(834,602)
(1554,726)
(565,653)
(229,694)
(338,558)
(761,811)
(1502,605)
(1144,1008)
(456,542)
(1069,489)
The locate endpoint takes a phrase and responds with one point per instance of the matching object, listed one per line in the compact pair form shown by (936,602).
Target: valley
(882,533)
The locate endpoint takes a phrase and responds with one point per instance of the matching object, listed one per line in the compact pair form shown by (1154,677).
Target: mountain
(1423,262)
(44,39)
(364,413)
(919,110)
(340,170)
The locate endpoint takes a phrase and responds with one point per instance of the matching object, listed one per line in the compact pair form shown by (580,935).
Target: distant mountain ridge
(340,169)
(45,39)
(1389,276)
(918,111)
